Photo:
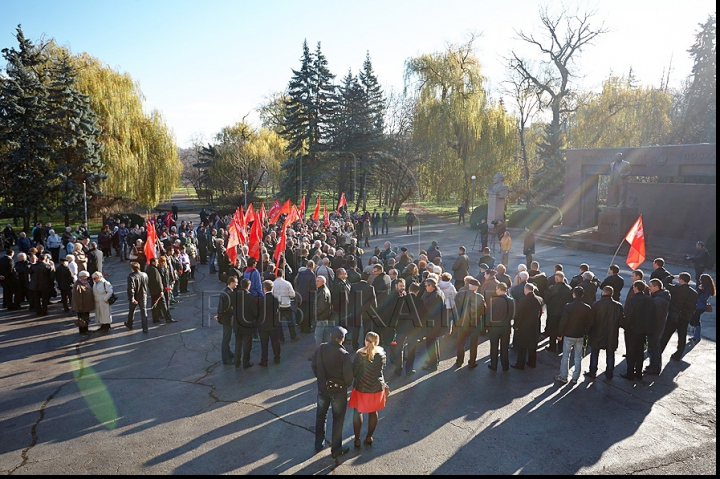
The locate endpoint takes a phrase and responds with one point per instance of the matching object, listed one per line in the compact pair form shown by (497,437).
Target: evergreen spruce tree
(697,122)
(297,124)
(27,135)
(77,150)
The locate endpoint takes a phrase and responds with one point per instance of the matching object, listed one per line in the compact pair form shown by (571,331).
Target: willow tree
(139,150)
(622,114)
(462,132)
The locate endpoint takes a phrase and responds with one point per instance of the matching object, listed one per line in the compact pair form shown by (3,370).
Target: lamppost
(245,192)
(473,178)
(85,198)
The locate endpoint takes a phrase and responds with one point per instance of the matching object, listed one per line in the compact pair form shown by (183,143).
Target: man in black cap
(332,367)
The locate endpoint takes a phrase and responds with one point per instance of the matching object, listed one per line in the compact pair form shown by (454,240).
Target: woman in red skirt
(369,387)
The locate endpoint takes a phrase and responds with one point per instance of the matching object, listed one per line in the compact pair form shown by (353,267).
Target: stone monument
(497,192)
(616,220)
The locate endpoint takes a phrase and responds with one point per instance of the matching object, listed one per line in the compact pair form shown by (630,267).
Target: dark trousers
(271,336)
(484,240)
(609,359)
(462,336)
(84,317)
(243,345)
(409,229)
(184,282)
(634,353)
(225,345)
(286,317)
(34,300)
(654,353)
(44,297)
(499,340)
(203,255)
(526,353)
(338,401)
(367,326)
(159,308)
(385,228)
(528,259)
(674,324)
(698,272)
(11,296)
(55,254)
(405,352)
(375,229)
(432,343)
(143,315)
(65,297)
(459,283)
(307,307)
(551,329)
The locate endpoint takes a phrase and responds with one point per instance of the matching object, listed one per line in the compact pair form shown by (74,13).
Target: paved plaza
(124,402)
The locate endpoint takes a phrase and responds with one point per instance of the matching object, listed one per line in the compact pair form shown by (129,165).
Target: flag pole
(612,261)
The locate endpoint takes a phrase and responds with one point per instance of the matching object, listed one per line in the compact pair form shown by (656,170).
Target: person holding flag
(341,203)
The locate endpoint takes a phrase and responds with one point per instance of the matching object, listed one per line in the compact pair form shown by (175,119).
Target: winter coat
(640,315)
(661,300)
(368,375)
(449,291)
(102,290)
(575,319)
(83,299)
(605,327)
(527,321)
(64,277)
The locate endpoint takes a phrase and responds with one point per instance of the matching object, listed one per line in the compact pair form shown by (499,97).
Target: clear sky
(206,65)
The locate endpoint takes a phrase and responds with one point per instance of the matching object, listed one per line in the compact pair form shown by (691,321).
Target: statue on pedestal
(497,192)
(618,186)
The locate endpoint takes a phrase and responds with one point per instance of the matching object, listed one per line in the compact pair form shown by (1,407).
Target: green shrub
(538,218)
(477,215)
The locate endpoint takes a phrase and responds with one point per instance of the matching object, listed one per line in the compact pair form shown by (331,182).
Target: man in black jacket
(556,297)
(65,281)
(615,280)
(470,311)
(244,321)
(683,300)
(94,259)
(501,310)
(331,362)
(156,288)
(269,325)
(699,260)
(607,313)
(363,303)
(575,320)
(382,284)
(137,289)
(659,272)
(43,277)
(527,326)
(661,300)
(9,281)
(435,320)
(638,323)
(408,326)
(226,310)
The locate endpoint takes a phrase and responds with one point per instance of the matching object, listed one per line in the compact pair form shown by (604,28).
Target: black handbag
(113,298)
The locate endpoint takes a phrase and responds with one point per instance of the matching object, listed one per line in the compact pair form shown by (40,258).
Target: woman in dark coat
(369,388)
(104,241)
(83,301)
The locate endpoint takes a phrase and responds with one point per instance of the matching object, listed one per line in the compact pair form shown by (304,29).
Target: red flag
(301,209)
(150,242)
(262,216)
(291,218)
(249,214)
(341,203)
(280,248)
(284,210)
(168,220)
(240,226)
(636,238)
(234,235)
(316,214)
(326,221)
(275,206)
(254,247)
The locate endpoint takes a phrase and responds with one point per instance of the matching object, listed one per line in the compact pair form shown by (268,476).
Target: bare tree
(562,39)
(527,102)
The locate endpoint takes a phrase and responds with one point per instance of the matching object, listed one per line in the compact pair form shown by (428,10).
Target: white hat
(83,274)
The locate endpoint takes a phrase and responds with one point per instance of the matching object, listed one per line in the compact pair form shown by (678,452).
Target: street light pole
(245,182)
(85,198)
(473,178)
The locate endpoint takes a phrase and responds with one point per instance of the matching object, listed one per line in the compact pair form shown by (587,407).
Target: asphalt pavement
(124,402)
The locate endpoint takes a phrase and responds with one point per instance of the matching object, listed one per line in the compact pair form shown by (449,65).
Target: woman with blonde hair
(369,388)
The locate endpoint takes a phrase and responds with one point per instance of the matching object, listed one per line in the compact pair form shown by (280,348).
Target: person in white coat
(448,288)
(102,290)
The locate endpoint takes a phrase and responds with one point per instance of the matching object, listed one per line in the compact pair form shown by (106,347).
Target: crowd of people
(316,278)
